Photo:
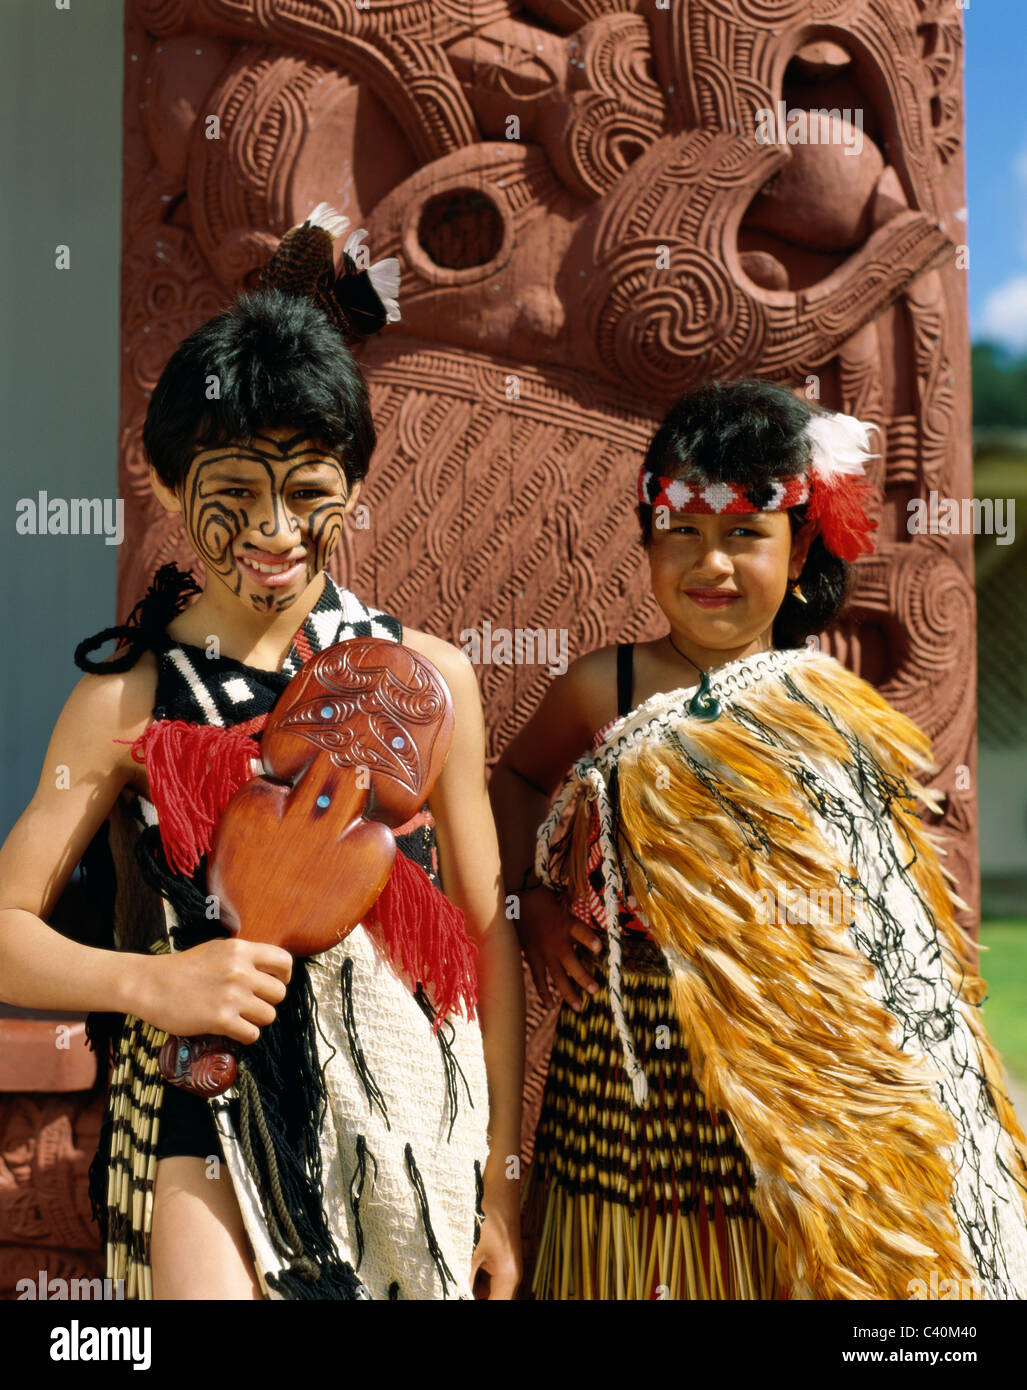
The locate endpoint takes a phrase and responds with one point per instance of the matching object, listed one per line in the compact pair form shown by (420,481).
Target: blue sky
(996,169)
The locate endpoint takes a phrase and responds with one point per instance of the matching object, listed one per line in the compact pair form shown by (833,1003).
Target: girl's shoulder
(589,687)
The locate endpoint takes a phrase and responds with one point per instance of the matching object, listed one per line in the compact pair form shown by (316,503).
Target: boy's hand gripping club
(351,750)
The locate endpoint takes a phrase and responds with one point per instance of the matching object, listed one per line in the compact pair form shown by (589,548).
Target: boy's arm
(469,860)
(83,773)
(219,987)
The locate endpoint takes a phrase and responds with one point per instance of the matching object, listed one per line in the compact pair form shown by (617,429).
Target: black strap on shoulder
(625,676)
(169,593)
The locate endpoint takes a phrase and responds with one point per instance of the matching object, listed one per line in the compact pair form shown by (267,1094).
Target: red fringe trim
(193,770)
(426,935)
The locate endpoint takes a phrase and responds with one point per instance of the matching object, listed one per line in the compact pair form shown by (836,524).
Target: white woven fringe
(590,780)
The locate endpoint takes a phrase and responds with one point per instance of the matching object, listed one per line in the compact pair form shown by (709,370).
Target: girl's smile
(713,597)
(721,578)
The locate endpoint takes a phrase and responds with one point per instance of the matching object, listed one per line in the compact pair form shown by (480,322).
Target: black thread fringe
(371,1088)
(450,1064)
(434,1250)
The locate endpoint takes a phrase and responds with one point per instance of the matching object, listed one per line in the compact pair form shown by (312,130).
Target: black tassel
(169,593)
(444,1271)
(479,1195)
(98,1173)
(449,1062)
(356,1191)
(371,1087)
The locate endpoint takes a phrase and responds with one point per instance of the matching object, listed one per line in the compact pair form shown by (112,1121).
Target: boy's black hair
(746,432)
(277,361)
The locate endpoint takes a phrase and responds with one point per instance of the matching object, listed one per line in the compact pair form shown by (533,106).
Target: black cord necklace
(704,704)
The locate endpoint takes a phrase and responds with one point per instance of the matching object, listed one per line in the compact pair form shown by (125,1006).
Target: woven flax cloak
(827,993)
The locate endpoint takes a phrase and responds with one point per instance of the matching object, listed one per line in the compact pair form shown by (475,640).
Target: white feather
(355,244)
(840,445)
(383,275)
(335,223)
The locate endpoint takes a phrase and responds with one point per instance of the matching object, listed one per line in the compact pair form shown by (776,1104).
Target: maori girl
(769,1076)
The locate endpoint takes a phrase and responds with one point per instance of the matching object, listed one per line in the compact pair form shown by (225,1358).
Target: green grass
(1004,967)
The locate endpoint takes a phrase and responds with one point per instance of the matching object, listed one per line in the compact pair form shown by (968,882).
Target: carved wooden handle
(206,1066)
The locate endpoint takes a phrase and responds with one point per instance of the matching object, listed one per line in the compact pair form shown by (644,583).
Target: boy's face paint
(265,516)
(721,579)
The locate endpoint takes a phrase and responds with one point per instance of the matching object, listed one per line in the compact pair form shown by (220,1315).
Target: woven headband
(680,496)
(835,486)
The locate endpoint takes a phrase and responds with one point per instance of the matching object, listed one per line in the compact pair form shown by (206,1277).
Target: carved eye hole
(460,229)
(628,150)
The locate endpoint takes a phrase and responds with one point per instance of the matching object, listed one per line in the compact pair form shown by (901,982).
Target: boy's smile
(264,515)
(273,571)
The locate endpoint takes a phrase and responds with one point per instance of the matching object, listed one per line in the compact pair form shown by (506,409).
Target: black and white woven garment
(393,1191)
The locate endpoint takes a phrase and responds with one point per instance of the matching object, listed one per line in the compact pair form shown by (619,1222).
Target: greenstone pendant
(703,704)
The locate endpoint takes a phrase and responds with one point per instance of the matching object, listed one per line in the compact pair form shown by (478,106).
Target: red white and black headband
(835,487)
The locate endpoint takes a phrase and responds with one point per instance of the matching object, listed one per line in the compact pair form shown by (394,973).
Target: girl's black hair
(270,359)
(747,432)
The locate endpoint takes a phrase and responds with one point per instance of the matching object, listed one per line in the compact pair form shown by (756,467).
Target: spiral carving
(926,603)
(599,143)
(775,14)
(618,62)
(664,336)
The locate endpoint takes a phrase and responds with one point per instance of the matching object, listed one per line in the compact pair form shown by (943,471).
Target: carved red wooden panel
(587,223)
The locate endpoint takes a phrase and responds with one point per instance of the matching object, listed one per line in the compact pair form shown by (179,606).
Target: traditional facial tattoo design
(265,516)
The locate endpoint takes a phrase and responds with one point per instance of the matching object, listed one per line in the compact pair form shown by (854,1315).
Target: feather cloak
(829,997)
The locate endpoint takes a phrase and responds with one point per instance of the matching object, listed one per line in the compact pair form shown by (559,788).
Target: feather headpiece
(840,493)
(360,298)
(835,487)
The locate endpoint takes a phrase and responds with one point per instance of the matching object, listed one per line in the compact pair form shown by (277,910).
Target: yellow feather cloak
(828,994)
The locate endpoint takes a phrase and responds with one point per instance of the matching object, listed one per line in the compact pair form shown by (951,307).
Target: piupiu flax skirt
(623,1202)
